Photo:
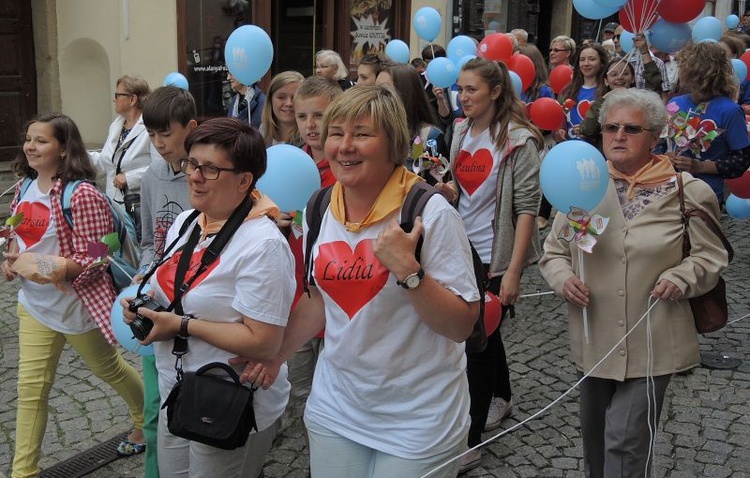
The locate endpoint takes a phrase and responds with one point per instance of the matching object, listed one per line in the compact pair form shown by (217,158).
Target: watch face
(412,281)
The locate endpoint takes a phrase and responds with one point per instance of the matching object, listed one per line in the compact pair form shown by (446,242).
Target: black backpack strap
(414,204)
(316,208)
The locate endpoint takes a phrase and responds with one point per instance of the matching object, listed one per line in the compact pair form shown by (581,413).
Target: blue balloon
(442,72)
(460,47)
(517,82)
(612,3)
(732,21)
(176,79)
(626,41)
(574,174)
(291,177)
(670,37)
(397,51)
(707,28)
(427,23)
(740,69)
(460,63)
(248,53)
(738,208)
(122,331)
(593,10)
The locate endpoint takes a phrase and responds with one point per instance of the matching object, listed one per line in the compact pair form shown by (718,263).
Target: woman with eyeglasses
(238,306)
(560,50)
(637,259)
(126,153)
(707,75)
(329,64)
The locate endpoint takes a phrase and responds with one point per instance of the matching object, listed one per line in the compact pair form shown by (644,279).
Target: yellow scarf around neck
(262,206)
(656,171)
(391,198)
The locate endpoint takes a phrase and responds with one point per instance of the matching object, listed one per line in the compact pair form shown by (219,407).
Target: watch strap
(419,274)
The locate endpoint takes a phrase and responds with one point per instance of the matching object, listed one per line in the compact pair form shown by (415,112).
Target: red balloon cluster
(547,113)
(560,77)
(524,68)
(680,11)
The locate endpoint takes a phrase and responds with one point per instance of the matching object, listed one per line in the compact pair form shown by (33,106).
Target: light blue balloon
(574,174)
(517,82)
(740,69)
(593,10)
(732,21)
(707,28)
(397,51)
(460,64)
(670,37)
(612,3)
(460,47)
(121,330)
(248,53)
(442,72)
(738,208)
(176,79)
(291,177)
(626,41)
(427,23)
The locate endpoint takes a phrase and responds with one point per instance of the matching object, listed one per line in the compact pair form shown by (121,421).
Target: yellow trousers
(39,353)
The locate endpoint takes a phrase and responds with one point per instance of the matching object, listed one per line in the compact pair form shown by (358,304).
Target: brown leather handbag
(710,309)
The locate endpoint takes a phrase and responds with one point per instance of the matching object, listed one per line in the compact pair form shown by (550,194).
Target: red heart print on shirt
(350,278)
(165,274)
(35,222)
(583,108)
(472,170)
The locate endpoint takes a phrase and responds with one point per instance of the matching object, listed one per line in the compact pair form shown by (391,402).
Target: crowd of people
(363,325)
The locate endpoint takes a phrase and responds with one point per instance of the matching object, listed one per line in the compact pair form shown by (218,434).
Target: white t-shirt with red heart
(253,276)
(60,310)
(385,379)
(476,173)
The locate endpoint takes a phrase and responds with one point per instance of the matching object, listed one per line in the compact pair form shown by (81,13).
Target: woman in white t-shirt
(390,394)
(65,297)
(237,307)
(495,158)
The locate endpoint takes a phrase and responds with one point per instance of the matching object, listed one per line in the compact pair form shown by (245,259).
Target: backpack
(128,256)
(413,206)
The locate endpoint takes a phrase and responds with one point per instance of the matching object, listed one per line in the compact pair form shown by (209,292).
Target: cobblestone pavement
(704,430)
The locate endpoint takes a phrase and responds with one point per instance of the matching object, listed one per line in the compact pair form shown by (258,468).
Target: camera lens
(141,327)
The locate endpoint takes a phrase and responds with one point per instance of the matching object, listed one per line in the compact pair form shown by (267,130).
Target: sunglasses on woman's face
(630,129)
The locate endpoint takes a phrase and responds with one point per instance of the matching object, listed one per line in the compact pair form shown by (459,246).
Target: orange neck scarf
(391,197)
(656,171)
(262,206)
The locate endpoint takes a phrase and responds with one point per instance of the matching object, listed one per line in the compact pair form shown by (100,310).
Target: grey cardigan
(518,192)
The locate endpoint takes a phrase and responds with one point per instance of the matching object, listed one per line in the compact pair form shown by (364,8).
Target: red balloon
(493,312)
(547,113)
(637,16)
(740,187)
(560,77)
(496,47)
(525,69)
(745,57)
(680,11)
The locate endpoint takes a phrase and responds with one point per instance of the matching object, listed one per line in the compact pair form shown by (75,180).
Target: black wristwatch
(184,326)
(412,281)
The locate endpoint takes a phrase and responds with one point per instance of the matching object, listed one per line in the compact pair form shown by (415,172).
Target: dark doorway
(17,74)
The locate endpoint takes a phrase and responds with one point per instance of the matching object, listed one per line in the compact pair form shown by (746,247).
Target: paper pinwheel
(689,131)
(583,229)
(6,232)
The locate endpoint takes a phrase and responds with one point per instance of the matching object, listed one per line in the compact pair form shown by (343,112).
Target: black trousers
(488,376)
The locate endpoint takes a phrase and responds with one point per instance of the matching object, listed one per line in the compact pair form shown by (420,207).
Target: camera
(141,326)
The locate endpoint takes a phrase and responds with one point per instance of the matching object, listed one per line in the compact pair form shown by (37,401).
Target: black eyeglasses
(208,172)
(630,129)
(557,50)
(117,95)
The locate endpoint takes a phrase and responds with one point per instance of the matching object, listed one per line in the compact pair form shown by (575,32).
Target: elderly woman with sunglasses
(637,259)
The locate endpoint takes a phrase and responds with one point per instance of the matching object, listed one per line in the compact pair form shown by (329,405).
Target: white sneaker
(499,409)
(470,461)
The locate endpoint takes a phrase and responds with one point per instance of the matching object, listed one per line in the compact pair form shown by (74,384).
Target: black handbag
(210,409)
(131,201)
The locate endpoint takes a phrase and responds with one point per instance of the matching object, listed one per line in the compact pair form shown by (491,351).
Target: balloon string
(554,402)
(11,188)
